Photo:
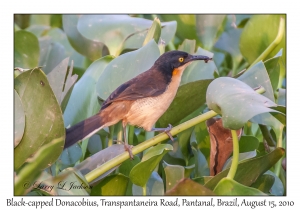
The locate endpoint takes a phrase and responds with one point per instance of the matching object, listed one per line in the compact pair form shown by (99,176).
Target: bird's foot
(126,146)
(128,149)
(166,130)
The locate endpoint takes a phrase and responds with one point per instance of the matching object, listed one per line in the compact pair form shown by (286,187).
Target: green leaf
(153,32)
(188,187)
(96,160)
(59,36)
(209,27)
(194,93)
(199,70)
(125,67)
(19,119)
(185,25)
(55,55)
(155,186)
(38,30)
(73,183)
(188,46)
(39,19)
(43,117)
(277,188)
(230,187)
(87,47)
(228,43)
(127,165)
(71,155)
(94,144)
(42,159)
(201,166)
(119,32)
(242,157)
(236,101)
(248,171)
(264,183)
(248,143)
(174,173)
(115,185)
(258,76)
(281,97)
(273,68)
(83,101)
(266,29)
(141,172)
(26,49)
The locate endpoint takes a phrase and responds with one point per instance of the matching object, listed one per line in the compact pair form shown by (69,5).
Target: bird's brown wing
(147,84)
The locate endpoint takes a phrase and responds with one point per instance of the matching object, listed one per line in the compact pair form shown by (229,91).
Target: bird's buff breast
(145,112)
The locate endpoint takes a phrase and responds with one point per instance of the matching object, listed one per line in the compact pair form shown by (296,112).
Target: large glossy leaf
(115,185)
(236,101)
(273,68)
(141,172)
(127,165)
(125,67)
(71,155)
(228,43)
(155,186)
(173,173)
(242,157)
(188,46)
(59,36)
(230,187)
(43,117)
(258,76)
(248,171)
(98,159)
(277,188)
(56,53)
(185,25)
(188,187)
(209,27)
(42,159)
(83,101)
(266,29)
(114,30)
(248,143)
(26,49)
(199,70)
(201,166)
(264,183)
(38,30)
(190,96)
(19,119)
(153,32)
(91,48)
(73,183)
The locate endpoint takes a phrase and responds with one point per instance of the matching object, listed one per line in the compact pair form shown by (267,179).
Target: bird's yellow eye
(180,59)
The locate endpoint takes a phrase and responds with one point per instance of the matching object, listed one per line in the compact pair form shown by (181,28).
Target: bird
(140,101)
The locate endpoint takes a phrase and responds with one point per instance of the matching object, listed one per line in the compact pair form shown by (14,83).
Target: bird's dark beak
(197,57)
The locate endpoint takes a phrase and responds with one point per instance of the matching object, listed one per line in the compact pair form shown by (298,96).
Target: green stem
(110,136)
(146,144)
(272,46)
(279,144)
(144,190)
(92,175)
(235,156)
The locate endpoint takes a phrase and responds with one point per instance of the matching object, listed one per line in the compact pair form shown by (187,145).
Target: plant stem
(92,175)
(272,46)
(235,156)
(279,144)
(144,190)
(111,135)
(146,144)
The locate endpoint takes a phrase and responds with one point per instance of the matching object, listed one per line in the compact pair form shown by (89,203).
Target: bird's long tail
(82,130)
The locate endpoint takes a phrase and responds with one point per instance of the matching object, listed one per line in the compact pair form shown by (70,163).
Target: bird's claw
(128,149)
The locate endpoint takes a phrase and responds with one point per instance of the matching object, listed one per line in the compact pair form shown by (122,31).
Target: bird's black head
(172,60)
